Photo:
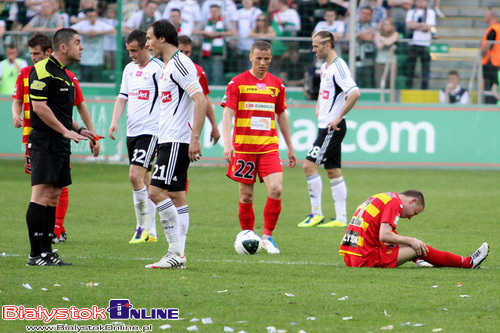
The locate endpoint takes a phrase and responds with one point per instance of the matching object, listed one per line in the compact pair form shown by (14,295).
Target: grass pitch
(306,287)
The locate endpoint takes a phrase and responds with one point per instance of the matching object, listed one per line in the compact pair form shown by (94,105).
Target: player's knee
(309,168)
(275,191)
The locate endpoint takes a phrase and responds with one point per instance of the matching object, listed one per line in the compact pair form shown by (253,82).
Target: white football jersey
(336,84)
(178,83)
(140,88)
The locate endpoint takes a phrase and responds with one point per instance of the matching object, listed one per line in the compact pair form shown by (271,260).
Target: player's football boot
(311,220)
(54,257)
(423,263)
(169,260)
(140,236)
(270,246)
(478,257)
(332,224)
(152,239)
(41,260)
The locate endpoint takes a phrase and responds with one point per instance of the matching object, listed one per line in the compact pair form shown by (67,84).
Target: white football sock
(152,218)
(339,194)
(170,222)
(141,207)
(315,187)
(183,226)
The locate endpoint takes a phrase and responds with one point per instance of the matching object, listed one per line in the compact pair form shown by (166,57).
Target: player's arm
(351,99)
(83,110)
(118,110)
(47,116)
(214,135)
(17,108)
(284,125)
(227,124)
(387,235)
(200,112)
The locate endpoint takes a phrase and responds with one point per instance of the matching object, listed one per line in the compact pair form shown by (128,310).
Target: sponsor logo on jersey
(143,95)
(258,106)
(166,96)
(138,73)
(261,86)
(325,94)
(64,89)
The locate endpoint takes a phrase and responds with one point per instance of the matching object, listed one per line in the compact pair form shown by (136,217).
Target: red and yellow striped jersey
(362,234)
(255,103)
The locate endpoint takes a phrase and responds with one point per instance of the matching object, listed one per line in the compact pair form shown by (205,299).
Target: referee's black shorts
(50,160)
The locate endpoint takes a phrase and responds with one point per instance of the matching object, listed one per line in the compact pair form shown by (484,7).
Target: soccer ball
(247,242)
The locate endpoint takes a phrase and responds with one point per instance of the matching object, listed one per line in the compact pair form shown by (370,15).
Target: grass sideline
(253,292)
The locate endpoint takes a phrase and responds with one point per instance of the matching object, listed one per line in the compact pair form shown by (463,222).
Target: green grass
(461,213)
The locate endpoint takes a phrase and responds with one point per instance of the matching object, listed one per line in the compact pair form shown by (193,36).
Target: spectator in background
(337,28)
(110,39)
(228,10)
(92,33)
(286,23)
(379,12)
(490,52)
(84,4)
(246,21)
(9,70)
(47,21)
(495,90)
(2,32)
(365,48)
(60,8)
(8,13)
(175,19)
(262,29)
(420,20)
(144,18)
(32,7)
(399,9)
(292,69)
(213,31)
(385,37)
(453,93)
(437,9)
(190,14)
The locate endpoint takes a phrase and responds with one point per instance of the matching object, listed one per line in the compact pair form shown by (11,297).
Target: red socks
(272,212)
(246,216)
(62,207)
(446,259)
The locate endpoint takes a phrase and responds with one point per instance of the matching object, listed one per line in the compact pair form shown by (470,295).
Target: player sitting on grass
(371,239)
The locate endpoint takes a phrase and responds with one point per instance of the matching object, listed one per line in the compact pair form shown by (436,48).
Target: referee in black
(52,93)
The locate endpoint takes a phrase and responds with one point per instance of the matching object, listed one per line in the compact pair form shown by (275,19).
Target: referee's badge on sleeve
(37,85)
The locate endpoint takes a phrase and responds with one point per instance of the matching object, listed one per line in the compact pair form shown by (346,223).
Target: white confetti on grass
(386,314)
(66,299)
(27,286)
(193,328)
(207,320)
(289,295)
(228,329)
(57,285)
(347,318)
(165,327)
(222,291)
(387,328)
(465,296)
(44,289)
(345,298)
(194,320)
(311,318)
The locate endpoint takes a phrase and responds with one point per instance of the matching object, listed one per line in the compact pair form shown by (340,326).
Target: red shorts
(244,168)
(384,257)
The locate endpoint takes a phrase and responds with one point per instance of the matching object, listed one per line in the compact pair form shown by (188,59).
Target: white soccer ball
(247,242)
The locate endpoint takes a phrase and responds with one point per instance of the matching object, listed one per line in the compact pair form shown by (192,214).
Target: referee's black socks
(35,219)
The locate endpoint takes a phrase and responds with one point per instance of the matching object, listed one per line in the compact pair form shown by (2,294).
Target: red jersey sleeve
(391,212)
(231,97)
(78,89)
(19,86)
(202,77)
(281,101)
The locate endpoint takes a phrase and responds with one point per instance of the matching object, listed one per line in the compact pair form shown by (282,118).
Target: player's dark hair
(261,45)
(40,39)
(165,29)
(325,37)
(185,40)
(139,36)
(63,36)
(415,194)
